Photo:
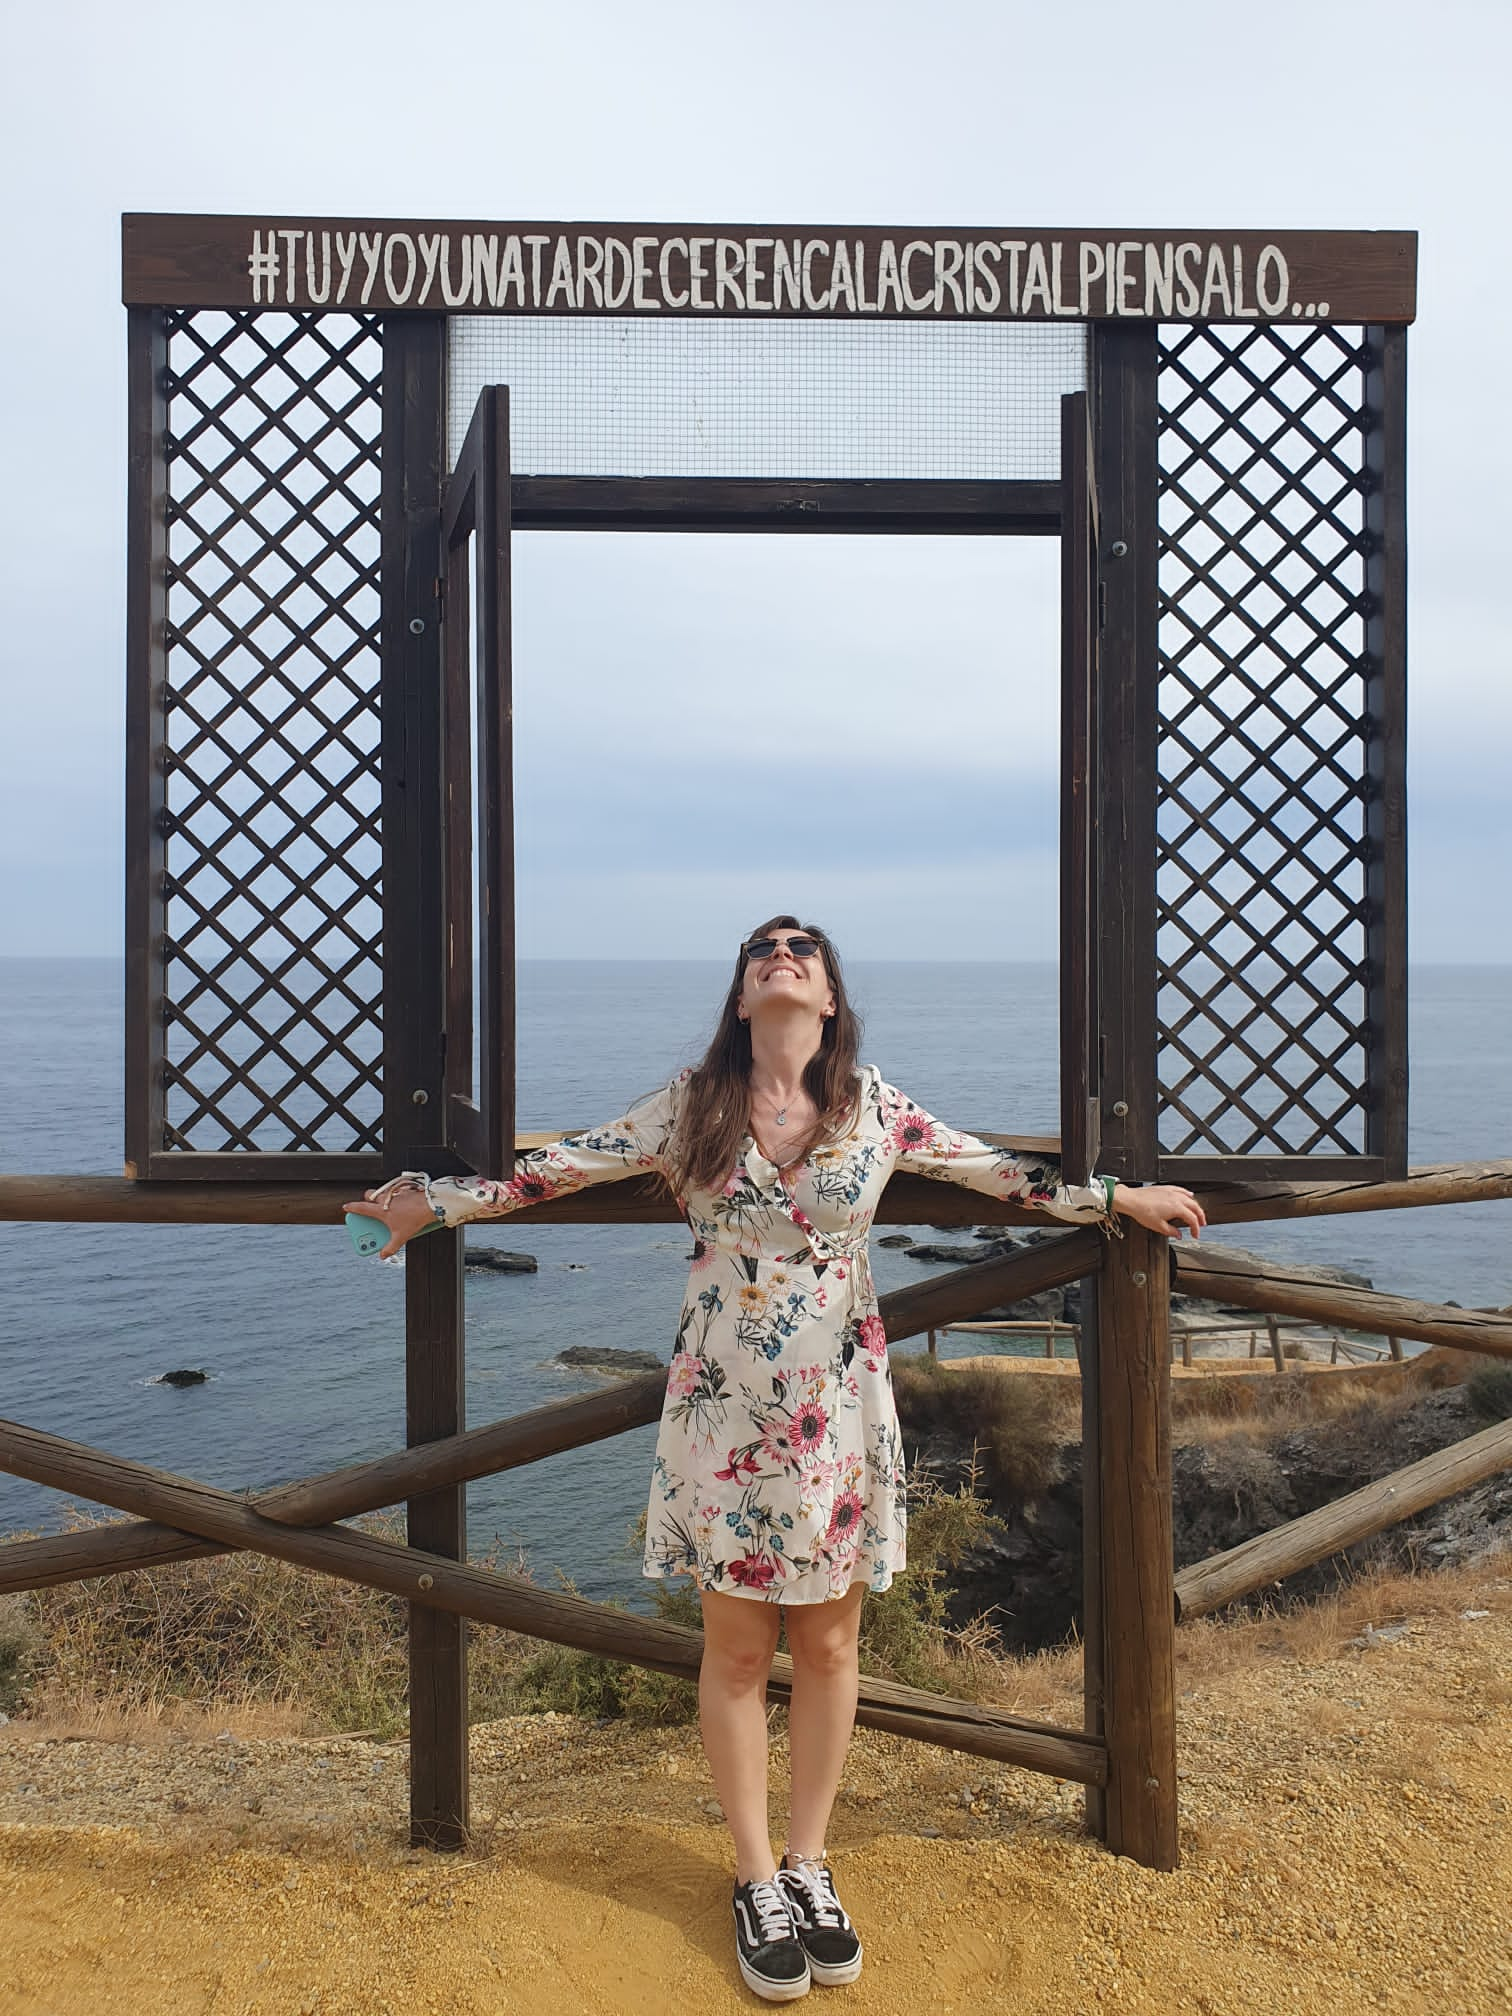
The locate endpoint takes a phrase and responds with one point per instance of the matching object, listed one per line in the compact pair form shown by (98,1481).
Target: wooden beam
(510,1602)
(762,504)
(1301,1543)
(1433,1183)
(966,1291)
(1219,1276)
(907,1200)
(348,1492)
(1138,1662)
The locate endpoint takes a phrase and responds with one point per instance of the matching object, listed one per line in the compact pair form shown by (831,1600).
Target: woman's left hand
(1160,1207)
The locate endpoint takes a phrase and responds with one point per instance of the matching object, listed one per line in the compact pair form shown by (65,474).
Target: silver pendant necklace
(782,1117)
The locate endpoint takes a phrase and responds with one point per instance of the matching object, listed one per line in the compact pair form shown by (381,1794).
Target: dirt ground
(1345,1846)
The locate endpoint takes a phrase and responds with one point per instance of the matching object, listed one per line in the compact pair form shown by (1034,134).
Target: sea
(304,1343)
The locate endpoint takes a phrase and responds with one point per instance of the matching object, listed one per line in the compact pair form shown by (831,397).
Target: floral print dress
(779,1464)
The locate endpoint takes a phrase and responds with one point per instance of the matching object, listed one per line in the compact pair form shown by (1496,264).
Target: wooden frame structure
(318,662)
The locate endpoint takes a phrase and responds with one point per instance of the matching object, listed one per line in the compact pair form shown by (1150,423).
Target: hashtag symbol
(263,265)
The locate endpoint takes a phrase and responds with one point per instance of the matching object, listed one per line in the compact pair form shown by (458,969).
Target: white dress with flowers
(779,1465)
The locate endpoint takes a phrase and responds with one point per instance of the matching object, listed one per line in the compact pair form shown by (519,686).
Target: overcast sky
(711,729)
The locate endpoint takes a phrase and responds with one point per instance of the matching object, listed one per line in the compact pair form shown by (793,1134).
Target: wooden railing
(1125,1754)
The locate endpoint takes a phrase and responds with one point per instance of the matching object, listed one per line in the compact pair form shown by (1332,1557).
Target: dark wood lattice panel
(1263,927)
(271,961)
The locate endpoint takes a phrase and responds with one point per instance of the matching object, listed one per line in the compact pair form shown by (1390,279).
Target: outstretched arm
(631,1146)
(927,1147)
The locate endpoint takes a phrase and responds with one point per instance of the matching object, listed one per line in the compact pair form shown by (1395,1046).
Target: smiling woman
(779,1474)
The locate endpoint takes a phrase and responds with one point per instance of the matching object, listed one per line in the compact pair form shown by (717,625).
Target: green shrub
(19,1649)
(904,1631)
(1489,1392)
(588,1684)
(1017,1420)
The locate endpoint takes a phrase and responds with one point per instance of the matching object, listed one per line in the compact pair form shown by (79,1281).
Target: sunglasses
(763,948)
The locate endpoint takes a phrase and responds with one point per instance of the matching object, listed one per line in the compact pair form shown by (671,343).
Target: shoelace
(818,1886)
(773,1918)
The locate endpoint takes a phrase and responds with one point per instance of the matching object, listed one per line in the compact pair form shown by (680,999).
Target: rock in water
(950,1255)
(495,1260)
(605,1358)
(899,1239)
(185,1376)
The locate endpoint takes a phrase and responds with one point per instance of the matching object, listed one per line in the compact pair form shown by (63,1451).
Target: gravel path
(1344,1840)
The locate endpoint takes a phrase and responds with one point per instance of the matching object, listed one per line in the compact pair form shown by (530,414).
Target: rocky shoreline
(1228,1486)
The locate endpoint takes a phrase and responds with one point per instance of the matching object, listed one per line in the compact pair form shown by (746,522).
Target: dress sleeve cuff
(450,1200)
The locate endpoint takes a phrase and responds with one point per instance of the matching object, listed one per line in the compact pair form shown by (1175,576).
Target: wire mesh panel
(1263,925)
(271,980)
(629,396)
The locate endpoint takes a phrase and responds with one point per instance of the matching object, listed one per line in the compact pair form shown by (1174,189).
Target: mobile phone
(367,1235)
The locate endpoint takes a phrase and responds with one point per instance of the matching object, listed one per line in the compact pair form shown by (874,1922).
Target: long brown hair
(715,1109)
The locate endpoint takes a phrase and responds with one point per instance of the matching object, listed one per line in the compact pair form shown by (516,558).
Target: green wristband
(1110,1184)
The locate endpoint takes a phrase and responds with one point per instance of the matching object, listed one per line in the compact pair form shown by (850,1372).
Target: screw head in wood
(419,1097)
(417,626)
(427,1581)
(1121,1108)
(1119,548)
(1139,1279)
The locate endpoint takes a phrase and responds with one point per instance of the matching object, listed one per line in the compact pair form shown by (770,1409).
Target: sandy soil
(1344,1839)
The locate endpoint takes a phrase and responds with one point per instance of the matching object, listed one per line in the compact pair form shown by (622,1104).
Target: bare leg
(740,1636)
(822,1639)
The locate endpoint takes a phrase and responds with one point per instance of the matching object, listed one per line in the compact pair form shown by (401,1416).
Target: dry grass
(1018,1422)
(1275,1403)
(62,1718)
(1207,1647)
(1041,1683)
(249,1643)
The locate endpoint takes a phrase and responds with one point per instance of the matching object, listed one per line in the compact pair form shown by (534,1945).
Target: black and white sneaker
(825,1932)
(766,1944)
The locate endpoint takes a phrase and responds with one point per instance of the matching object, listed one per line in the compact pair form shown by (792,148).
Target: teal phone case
(366,1234)
(369,1237)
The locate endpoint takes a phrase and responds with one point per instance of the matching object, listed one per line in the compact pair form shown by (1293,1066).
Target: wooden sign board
(386,267)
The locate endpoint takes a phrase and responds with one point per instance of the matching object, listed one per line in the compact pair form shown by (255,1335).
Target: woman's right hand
(405,1210)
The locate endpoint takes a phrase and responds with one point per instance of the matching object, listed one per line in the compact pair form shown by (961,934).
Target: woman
(778,1481)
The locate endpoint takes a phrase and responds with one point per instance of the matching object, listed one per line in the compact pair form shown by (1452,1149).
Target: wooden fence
(1125,1752)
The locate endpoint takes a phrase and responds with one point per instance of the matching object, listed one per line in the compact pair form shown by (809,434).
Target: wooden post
(1135,1662)
(414,1017)
(1273,1331)
(1094,1620)
(434,1357)
(1396,1347)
